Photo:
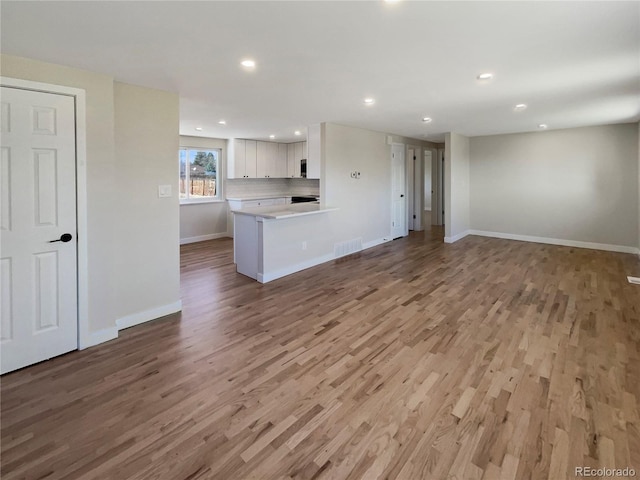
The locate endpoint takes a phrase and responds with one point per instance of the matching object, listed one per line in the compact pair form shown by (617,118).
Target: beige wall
(205,220)
(577,184)
(457,181)
(132,235)
(146,255)
(365,203)
(100,174)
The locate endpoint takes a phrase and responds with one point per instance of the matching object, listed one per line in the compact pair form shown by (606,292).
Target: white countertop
(277,212)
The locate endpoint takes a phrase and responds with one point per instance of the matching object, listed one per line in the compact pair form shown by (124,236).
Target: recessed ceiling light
(272,136)
(222,122)
(199,129)
(369,101)
(519,107)
(485,76)
(427,119)
(248,63)
(543,126)
(297,132)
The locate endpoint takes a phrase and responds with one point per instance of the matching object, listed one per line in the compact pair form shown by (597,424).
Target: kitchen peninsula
(272,241)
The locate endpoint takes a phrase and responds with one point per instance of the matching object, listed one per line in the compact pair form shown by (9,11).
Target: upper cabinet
(271,160)
(291,161)
(241,159)
(296,152)
(258,159)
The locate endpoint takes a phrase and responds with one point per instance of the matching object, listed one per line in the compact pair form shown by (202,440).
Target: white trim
(288,270)
(101,336)
(455,238)
(556,241)
(375,243)
(148,315)
(198,201)
(85,338)
(202,238)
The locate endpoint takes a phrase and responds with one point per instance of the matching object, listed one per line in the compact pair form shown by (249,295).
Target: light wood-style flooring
(485,359)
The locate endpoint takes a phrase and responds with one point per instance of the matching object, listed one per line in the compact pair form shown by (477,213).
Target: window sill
(200,201)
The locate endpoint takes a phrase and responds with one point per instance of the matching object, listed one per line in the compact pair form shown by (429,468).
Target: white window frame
(218,197)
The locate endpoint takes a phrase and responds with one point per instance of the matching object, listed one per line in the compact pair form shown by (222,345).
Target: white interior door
(418,191)
(429,187)
(410,153)
(398,193)
(38,199)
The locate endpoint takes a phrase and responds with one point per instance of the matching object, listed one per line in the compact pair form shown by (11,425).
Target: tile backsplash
(251,187)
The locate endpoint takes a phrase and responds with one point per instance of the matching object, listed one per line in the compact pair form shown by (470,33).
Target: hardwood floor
(485,359)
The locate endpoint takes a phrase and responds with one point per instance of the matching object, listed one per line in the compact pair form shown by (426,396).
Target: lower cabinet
(256,202)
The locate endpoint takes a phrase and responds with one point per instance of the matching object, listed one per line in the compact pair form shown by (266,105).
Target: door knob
(65,237)
(402,195)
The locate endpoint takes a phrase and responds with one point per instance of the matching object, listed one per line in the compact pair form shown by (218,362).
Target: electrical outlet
(304,245)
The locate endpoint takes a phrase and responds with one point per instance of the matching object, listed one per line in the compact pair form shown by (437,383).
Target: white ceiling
(572,63)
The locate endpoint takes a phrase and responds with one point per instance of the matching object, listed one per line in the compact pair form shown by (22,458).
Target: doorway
(43,154)
(429,188)
(437,199)
(399,226)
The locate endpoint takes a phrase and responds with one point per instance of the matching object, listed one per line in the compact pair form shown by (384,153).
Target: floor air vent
(634,280)
(346,248)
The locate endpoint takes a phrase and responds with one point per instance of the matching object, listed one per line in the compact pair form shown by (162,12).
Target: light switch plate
(164,191)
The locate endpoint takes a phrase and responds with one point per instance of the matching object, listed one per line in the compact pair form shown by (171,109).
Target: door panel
(39,287)
(398,193)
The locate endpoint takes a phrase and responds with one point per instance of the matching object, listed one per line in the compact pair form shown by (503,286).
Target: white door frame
(415,188)
(79,96)
(402,147)
(437,180)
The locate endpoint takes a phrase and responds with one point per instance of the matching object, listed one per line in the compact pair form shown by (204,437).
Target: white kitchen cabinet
(272,160)
(281,161)
(250,159)
(296,152)
(240,204)
(258,159)
(262,163)
(269,163)
(299,155)
(236,158)
(241,159)
(291,161)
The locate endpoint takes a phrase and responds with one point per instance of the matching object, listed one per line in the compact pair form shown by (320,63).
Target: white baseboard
(101,336)
(556,241)
(288,270)
(147,315)
(202,238)
(111,333)
(455,238)
(375,243)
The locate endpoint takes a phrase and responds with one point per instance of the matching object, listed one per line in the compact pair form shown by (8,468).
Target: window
(199,170)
